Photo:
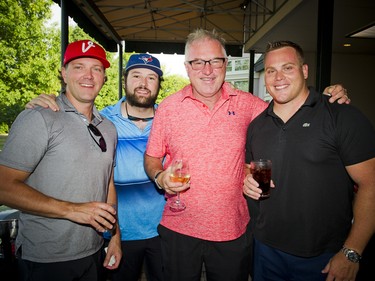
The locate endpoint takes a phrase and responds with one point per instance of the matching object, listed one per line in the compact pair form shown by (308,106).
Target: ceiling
(162,25)
(300,25)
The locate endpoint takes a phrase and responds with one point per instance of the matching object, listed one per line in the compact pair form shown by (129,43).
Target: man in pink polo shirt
(206,122)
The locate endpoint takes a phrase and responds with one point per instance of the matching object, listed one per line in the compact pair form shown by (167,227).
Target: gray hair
(200,34)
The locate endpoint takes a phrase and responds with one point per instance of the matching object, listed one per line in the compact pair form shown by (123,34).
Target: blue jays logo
(146,60)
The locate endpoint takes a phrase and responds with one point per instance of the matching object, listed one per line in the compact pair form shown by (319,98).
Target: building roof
(162,26)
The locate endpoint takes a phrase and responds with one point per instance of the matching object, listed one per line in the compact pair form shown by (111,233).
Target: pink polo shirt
(214,143)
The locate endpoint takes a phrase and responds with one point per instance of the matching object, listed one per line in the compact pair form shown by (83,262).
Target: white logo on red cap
(90,44)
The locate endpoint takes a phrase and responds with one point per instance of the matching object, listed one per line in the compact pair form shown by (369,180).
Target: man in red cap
(85,48)
(140,202)
(57,169)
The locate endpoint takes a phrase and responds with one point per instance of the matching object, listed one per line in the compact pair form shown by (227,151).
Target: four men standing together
(207,122)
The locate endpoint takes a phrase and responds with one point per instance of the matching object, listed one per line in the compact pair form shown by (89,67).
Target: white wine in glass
(179,173)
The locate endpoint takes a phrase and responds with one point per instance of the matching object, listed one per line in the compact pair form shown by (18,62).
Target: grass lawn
(2,140)
(3,208)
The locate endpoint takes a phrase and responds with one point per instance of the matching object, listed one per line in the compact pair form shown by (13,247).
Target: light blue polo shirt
(140,202)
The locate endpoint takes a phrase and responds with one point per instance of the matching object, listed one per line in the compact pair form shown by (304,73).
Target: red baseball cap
(83,49)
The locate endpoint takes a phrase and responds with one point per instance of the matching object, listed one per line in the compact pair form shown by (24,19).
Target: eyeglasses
(134,118)
(94,130)
(200,64)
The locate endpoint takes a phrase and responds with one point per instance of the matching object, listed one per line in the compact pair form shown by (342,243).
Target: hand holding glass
(261,171)
(179,173)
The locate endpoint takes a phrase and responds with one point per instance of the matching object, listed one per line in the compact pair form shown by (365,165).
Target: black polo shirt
(310,209)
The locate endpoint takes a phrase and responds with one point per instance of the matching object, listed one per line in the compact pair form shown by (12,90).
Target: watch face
(352,256)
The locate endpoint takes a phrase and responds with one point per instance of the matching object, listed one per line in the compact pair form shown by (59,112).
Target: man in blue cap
(140,202)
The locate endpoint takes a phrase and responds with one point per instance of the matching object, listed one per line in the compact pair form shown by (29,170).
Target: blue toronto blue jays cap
(144,61)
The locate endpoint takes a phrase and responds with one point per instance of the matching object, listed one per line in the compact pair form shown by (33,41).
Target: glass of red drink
(261,171)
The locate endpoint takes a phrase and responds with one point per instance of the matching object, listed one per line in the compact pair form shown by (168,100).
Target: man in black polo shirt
(310,228)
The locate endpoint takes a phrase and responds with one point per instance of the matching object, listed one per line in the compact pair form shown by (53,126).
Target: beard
(134,100)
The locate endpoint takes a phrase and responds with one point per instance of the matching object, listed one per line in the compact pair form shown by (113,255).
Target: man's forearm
(152,166)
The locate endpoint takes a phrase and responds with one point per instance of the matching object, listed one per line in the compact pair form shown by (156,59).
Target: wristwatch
(156,180)
(351,255)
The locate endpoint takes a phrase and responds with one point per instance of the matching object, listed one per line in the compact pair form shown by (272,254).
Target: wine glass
(179,173)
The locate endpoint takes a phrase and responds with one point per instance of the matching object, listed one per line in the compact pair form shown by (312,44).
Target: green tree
(172,83)
(28,55)
(30,60)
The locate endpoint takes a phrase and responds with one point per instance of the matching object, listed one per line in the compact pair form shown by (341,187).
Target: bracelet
(156,180)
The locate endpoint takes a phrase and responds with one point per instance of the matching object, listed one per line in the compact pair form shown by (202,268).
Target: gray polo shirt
(64,162)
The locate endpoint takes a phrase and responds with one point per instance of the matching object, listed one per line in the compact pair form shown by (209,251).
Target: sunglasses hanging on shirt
(94,130)
(134,118)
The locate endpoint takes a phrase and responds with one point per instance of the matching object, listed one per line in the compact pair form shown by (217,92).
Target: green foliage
(171,84)
(29,55)
(30,60)
(110,91)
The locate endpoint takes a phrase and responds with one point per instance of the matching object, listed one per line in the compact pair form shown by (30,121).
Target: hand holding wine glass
(179,173)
